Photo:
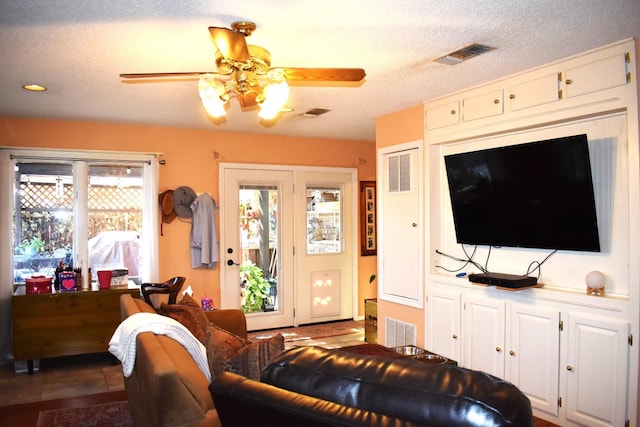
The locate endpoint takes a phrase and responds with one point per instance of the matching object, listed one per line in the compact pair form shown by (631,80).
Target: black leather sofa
(313,386)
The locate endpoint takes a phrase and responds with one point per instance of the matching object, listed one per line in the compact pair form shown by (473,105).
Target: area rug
(310,332)
(113,414)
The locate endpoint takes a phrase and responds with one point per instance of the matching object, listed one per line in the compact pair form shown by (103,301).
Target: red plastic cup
(104,279)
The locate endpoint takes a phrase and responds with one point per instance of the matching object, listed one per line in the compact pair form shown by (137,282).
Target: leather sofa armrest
(242,402)
(231,320)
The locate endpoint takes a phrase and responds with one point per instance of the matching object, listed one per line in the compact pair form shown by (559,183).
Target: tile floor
(91,374)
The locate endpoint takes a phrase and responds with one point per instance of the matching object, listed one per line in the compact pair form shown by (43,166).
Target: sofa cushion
(221,345)
(228,352)
(190,314)
(249,361)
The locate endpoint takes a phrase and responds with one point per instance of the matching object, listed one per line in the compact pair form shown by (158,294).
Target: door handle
(230,262)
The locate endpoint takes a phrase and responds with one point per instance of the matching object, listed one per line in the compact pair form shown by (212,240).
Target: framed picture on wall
(368,236)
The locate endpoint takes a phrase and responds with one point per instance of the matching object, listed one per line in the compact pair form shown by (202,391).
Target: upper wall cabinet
(483,105)
(556,87)
(601,74)
(537,91)
(443,115)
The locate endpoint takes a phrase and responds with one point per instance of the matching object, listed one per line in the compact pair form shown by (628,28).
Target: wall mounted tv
(533,195)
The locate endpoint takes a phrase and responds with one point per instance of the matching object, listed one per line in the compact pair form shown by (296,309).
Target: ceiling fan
(240,69)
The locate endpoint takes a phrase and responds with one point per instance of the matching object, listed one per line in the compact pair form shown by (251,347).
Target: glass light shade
(275,97)
(595,279)
(210,91)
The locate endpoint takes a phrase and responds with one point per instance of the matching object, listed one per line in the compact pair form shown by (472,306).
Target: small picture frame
(368,230)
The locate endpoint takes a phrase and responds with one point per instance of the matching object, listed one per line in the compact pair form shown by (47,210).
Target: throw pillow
(250,360)
(190,314)
(221,345)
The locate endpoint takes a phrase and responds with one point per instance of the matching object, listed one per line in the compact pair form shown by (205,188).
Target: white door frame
(296,170)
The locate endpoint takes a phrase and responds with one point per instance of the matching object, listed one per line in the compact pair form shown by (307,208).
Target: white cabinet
(533,354)
(483,105)
(597,369)
(443,115)
(534,92)
(484,336)
(599,74)
(443,324)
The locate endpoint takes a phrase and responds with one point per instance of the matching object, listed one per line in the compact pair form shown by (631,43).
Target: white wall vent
(400,172)
(399,333)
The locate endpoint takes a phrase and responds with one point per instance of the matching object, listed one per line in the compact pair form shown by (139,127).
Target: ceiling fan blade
(324,74)
(154,75)
(231,44)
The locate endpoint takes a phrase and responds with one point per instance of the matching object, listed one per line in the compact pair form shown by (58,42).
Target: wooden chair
(171,287)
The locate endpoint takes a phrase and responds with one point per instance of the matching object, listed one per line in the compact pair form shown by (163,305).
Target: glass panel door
(256,236)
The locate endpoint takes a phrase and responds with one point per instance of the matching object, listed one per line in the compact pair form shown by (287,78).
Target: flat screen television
(533,195)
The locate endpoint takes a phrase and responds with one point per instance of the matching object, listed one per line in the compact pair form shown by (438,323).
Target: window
(324,209)
(84,213)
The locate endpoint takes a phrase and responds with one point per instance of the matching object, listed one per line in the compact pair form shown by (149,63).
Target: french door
(257,245)
(288,256)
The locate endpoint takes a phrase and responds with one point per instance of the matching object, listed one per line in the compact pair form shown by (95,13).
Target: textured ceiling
(78,48)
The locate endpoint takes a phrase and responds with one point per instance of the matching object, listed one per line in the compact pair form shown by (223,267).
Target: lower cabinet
(597,370)
(572,366)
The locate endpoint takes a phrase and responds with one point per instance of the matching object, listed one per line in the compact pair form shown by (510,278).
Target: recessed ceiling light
(34,88)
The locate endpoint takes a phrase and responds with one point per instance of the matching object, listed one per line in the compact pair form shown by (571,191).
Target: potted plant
(32,246)
(255,287)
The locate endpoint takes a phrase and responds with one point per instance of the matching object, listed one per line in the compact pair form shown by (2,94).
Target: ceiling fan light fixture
(275,96)
(213,95)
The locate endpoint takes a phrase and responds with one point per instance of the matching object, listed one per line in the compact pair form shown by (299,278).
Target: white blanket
(123,341)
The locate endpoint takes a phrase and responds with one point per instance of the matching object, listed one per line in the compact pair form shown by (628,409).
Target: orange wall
(397,128)
(190,161)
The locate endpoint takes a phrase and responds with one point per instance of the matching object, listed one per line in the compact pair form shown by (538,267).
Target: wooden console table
(65,323)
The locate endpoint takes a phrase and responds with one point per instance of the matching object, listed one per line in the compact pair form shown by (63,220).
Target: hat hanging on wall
(182,199)
(166,206)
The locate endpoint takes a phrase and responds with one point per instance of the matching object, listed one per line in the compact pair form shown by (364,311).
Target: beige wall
(396,128)
(190,161)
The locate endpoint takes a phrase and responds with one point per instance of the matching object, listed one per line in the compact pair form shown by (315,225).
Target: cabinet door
(484,335)
(400,227)
(445,115)
(597,371)
(534,92)
(533,358)
(481,106)
(443,324)
(598,75)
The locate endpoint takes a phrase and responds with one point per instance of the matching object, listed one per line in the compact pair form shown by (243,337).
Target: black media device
(503,280)
(533,195)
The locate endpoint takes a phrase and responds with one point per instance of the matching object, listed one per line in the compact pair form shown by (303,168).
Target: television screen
(533,195)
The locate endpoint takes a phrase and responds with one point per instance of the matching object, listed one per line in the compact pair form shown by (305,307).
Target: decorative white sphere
(595,279)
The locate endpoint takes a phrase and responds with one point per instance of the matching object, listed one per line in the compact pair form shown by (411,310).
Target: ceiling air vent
(315,112)
(462,54)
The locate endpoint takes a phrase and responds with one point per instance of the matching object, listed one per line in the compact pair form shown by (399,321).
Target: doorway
(287,239)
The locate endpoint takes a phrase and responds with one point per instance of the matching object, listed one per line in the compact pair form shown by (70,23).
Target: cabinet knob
(498,349)
(568,81)
(569,368)
(453,112)
(454,336)
(496,101)
(512,96)
(414,225)
(512,353)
